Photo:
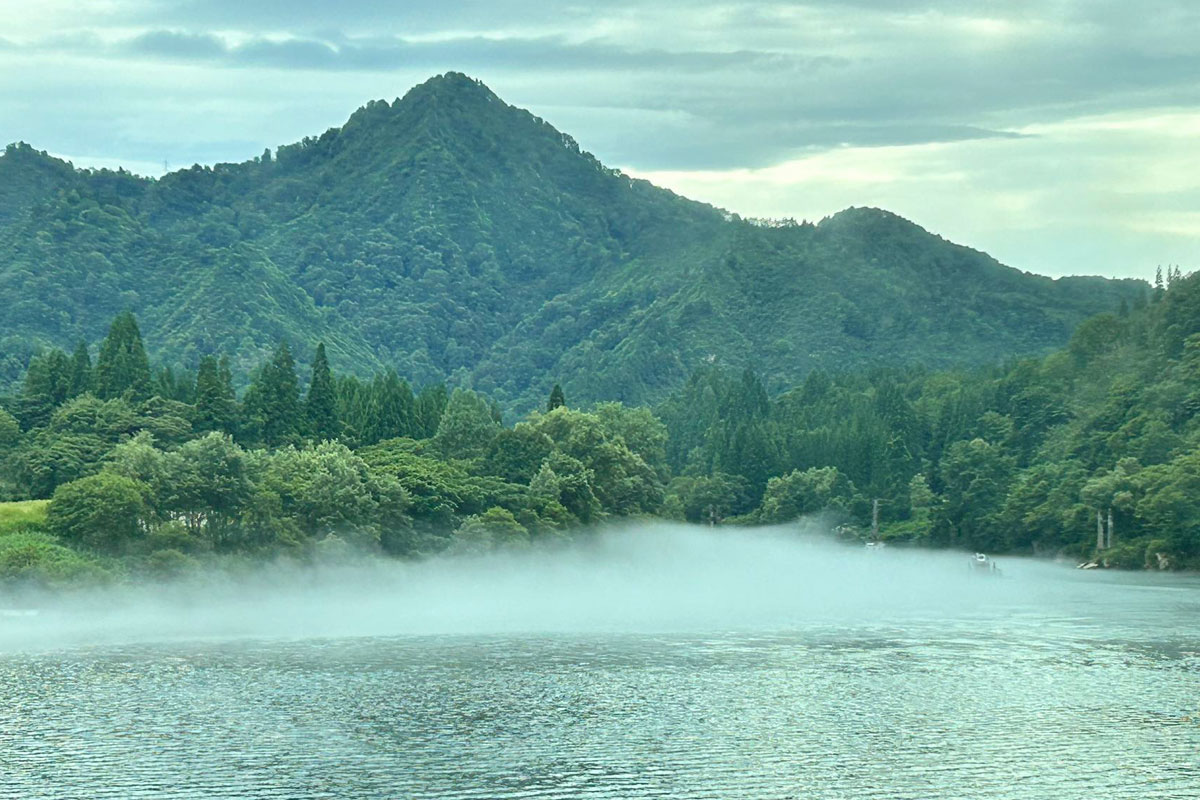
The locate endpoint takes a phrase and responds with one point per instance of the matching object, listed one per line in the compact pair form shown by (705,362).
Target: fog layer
(643,578)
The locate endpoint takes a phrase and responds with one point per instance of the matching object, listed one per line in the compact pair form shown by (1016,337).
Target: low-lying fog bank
(643,578)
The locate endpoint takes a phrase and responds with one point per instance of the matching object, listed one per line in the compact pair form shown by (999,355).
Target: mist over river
(651,662)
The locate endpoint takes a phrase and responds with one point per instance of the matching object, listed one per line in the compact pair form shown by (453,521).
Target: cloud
(385,53)
(742,106)
(175,45)
(1111,194)
(664,140)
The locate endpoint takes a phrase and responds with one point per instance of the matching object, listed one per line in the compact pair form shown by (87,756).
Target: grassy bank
(31,556)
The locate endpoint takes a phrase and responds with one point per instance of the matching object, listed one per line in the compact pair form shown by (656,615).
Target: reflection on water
(1085,688)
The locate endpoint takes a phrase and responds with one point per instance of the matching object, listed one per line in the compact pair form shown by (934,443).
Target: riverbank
(34,562)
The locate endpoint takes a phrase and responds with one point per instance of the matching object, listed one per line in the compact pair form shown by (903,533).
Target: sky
(1061,136)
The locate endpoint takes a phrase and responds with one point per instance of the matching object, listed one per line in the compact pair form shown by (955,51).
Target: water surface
(1049,684)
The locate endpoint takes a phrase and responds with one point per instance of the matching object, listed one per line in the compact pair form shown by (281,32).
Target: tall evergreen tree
(320,404)
(273,400)
(467,427)
(557,399)
(170,386)
(47,386)
(82,379)
(391,409)
(431,404)
(351,397)
(216,406)
(122,365)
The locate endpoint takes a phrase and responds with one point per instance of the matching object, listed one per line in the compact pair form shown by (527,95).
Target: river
(1046,683)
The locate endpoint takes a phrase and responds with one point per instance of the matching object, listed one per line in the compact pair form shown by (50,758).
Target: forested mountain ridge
(449,235)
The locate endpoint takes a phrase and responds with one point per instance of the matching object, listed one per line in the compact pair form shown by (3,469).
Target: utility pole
(1099,529)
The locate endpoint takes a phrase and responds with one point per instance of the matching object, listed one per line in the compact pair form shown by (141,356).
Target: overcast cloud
(1061,136)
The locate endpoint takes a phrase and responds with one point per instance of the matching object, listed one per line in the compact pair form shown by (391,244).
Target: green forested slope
(154,473)
(449,235)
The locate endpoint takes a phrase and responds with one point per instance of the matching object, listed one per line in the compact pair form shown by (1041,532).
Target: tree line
(1090,452)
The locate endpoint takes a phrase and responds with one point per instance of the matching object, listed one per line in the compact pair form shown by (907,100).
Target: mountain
(451,236)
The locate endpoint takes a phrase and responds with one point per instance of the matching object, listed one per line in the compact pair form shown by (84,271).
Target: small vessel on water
(982,564)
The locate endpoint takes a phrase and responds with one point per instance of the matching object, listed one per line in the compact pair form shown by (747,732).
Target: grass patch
(32,557)
(35,559)
(22,515)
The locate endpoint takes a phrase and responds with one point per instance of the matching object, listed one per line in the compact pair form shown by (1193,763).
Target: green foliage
(328,489)
(10,433)
(557,399)
(82,377)
(216,406)
(707,499)
(567,482)
(123,369)
(168,563)
(593,471)
(47,385)
(1023,457)
(516,454)
(467,427)
(975,479)
(206,484)
(22,514)
(494,529)
(272,404)
(36,559)
(799,493)
(320,404)
(102,512)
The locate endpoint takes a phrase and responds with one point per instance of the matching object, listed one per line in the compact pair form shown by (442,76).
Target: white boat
(982,564)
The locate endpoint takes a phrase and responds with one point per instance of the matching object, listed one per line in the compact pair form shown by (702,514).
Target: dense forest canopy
(450,237)
(1090,452)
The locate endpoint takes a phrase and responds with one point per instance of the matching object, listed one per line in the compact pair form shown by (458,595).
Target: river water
(1048,683)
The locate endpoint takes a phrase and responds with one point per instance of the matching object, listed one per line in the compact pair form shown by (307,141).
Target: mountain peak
(450,86)
(450,234)
(28,176)
(871,221)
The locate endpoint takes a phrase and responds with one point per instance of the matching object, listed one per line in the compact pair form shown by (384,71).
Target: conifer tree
(46,387)
(169,386)
(467,427)
(216,407)
(81,370)
(122,365)
(320,404)
(273,400)
(391,409)
(431,403)
(225,375)
(557,400)
(351,397)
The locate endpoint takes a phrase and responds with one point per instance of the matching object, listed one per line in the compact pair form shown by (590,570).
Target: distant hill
(452,236)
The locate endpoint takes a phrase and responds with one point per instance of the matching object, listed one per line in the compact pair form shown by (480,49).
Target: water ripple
(1013,709)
